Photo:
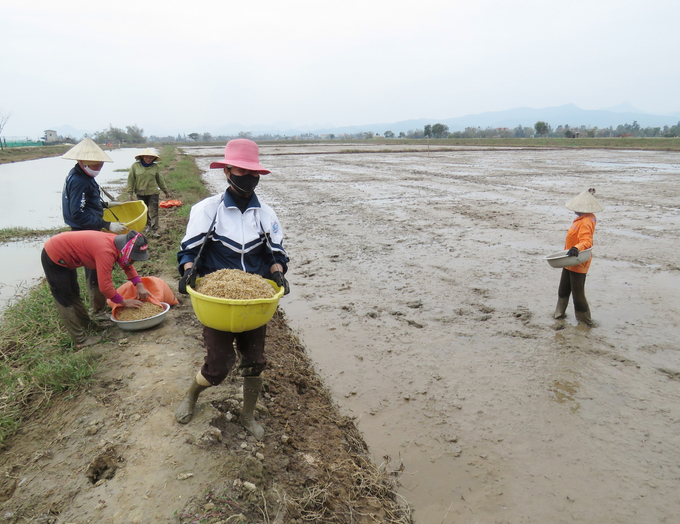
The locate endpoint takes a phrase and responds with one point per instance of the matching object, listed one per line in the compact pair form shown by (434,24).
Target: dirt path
(116,455)
(418,286)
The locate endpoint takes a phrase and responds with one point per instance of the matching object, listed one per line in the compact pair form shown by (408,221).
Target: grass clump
(36,359)
(185,179)
(22,233)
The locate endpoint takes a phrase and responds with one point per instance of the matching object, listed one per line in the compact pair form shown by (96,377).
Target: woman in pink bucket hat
(242,153)
(235,231)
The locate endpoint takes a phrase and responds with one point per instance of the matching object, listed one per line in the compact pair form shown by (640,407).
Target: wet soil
(115,454)
(419,287)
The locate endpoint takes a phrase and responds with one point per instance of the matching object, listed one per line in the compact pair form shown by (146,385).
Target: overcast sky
(171,66)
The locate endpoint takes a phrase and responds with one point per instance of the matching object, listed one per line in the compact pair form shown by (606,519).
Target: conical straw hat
(86,150)
(148,152)
(585,203)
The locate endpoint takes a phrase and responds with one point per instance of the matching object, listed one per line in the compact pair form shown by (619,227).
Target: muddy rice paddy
(419,288)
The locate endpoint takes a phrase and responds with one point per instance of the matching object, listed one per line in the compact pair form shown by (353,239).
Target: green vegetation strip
(21,233)
(37,357)
(19,154)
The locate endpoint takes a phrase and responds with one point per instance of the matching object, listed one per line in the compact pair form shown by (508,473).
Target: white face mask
(90,172)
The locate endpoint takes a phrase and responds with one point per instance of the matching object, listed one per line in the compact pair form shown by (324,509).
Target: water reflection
(21,268)
(31,195)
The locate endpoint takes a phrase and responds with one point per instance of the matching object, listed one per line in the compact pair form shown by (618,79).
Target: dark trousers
(97,298)
(221,356)
(63,282)
(151,202)
(574,284)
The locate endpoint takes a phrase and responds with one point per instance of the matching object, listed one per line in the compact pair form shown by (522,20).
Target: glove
(188,278)
(113,203)
(116,227)
(281,281)
(573,252)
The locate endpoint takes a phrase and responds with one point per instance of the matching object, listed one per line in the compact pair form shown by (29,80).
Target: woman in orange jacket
(579,237)
(95,250)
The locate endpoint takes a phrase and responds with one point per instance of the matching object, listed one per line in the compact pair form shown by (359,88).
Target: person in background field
(83,207)
(96,250)
(579,237)
(144,182)
(246,236)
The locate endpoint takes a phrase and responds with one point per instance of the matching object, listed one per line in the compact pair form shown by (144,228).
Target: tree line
(134,135)
(439,130)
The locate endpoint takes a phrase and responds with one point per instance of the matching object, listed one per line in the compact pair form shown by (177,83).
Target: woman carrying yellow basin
(233,230)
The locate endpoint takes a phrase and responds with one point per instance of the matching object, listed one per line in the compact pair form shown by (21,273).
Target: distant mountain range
(569,114)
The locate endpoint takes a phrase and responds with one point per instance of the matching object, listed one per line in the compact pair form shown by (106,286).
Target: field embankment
(19,154)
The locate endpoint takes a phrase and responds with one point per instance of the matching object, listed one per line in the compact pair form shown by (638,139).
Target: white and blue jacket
(238,240)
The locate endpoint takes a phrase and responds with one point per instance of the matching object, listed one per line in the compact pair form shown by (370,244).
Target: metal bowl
(560,259)
(145,323)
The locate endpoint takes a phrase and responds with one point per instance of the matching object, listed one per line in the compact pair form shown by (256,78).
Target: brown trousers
(220,357)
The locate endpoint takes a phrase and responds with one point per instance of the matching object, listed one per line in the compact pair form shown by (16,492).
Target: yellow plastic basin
(235,316)
(131,214)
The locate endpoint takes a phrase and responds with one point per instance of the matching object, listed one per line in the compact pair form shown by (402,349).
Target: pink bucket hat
(241,153)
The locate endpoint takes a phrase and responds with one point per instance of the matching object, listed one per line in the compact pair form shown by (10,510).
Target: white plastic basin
(560,258)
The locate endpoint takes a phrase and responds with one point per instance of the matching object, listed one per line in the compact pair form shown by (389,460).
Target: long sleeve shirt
(238,241)
(81,202)
(145,181)
(93,250)
(580,236)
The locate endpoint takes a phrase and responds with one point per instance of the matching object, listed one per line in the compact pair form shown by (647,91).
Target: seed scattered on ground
(234,284)
(147,310)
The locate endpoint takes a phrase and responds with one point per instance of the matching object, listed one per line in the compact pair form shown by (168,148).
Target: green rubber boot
(76,321)
(185,411)
(561,309)
(251,391)
(97,304)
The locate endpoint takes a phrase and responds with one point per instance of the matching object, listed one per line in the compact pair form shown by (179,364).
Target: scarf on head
(127,250)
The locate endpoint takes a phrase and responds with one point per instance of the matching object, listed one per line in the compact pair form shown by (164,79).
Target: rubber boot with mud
(251,391)
(561,309)
(76,322)
(97,304)
(185,411)
(583,317)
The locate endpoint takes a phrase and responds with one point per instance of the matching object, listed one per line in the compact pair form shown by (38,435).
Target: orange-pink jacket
(580,236)
(93,250)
